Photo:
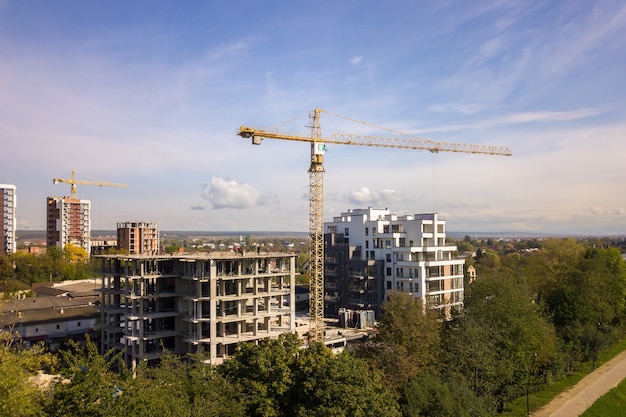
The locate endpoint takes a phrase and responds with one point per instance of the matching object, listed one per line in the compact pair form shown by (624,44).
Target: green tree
(591,290)
(408,341)
(20,395)
(428,395)
(277,378)
(162,390)
(29,268)
(6,268)
(210,393)
(503,336)
(337,385)
(91,383)
(263,373)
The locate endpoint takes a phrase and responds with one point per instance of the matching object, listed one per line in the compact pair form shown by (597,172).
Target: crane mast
(316,191)
(316,230)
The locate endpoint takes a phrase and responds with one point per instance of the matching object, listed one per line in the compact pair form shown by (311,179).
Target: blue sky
(151,94)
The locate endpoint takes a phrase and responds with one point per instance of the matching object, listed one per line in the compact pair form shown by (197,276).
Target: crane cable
(434,182)
(377,127)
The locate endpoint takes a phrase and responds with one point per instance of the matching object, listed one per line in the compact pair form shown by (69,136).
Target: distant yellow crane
(316,189)
(73,181)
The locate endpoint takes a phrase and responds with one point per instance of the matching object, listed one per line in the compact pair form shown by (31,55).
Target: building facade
(59,313)
(194,303)
(352,277)
(138,237)
(372,250)
(8,224)
(68,221)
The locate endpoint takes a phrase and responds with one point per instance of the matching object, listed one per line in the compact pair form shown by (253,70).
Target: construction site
(212,301)
(194,304)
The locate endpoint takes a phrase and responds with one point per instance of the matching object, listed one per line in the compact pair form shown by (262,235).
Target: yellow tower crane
(316,189)
(73,181)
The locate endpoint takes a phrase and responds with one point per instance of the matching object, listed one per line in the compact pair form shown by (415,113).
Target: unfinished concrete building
(138,237)
(194,303)
(68,221)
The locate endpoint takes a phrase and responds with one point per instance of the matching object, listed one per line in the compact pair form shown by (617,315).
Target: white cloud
(365,196)
(355,60)
(513,118)
(231,194)
(593,211)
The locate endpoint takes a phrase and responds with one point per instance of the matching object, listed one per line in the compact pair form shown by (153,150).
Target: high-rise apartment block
(194,303)
(8,203)
(371,253)
(138,237)
(68,221)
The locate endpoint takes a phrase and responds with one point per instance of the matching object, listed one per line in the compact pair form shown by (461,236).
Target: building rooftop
(201,256)
(34,310)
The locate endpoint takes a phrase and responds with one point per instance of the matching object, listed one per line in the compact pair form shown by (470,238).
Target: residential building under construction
(205,303)
(138,237)
(371,254)
(8,225)
(68,221)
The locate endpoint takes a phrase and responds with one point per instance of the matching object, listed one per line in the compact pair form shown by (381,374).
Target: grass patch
(540,398)
(611,404)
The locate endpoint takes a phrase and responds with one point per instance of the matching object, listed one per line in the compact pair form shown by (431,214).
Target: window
(346,231)
(367,231)
(58,327)
(385,228)
(367,244)
(388,285)
(388,257)
(78,324)
(388,272)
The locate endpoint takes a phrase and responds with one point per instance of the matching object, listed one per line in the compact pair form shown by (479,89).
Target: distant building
(138,237)
(371,254)
(8,224)
(68,221)
(471,274)
(194,303)
(102,244)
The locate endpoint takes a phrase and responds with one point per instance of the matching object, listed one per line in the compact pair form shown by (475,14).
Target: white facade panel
(416,258)
(8,222)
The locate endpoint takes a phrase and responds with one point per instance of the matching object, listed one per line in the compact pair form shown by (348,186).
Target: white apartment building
(8,224)
(68,221)
(411,250)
